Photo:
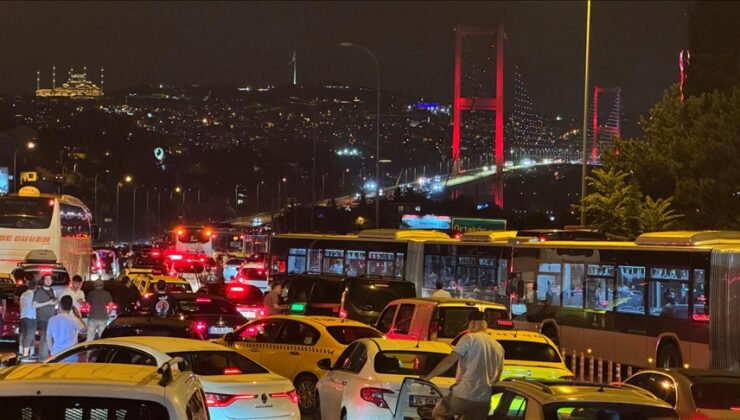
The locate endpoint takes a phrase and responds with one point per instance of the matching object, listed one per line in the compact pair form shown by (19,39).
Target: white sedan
(365,382)
(235,386)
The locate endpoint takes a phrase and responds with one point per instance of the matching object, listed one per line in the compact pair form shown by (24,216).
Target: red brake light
(542,238)
(85,307)
(45,270)
(232,371)
(223,400)
(202,259)
(200,326)
(702,318)
(112,306)
(175,257)
(261,313)
(236,289)
(291,395)
(203,300)
(375,396)
(343,313)
(155,253)
(51,202)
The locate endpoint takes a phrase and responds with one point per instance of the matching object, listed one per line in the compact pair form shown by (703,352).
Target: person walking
(99,300)
(440,292)
(44,301)
(63,328)
(480,362)
(162,304)
(271,302)
(74,290)
(28,322)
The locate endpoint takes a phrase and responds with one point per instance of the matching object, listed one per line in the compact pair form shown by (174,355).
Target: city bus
(31,221)
(195,239)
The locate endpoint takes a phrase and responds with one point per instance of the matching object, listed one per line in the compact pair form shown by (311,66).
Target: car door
(341,379)
(401,329)
(508,405)
(385,320)
(660,385)
(252,339)
(294,343)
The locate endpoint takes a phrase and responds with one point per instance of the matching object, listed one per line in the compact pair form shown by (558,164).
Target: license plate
(249,314)
(421,400)
(220,330)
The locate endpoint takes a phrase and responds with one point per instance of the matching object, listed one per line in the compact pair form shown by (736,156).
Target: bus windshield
(25,212)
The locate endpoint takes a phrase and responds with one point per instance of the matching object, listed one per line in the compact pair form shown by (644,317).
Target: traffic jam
(193,333)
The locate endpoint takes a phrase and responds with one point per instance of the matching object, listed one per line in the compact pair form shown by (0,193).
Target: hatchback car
(366,379)
(291,346)
(231,268)
(235,386)
(523,399)
(109,391)
(694,393)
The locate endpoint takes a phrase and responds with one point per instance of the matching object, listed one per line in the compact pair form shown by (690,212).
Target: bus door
(630,326)
(598,291)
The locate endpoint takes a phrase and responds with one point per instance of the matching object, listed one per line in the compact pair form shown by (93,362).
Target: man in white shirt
(28,321)
(74,290)
(63,328)
(441,292)
(480,362)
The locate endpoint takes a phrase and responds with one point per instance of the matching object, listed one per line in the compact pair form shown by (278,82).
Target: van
(437,319)
(358,298)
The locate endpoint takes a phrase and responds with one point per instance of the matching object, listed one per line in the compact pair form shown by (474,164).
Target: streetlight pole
(236,200)
(119,184)
(95,190)
(584,166)
(133,221)
(377,130)
(30,145)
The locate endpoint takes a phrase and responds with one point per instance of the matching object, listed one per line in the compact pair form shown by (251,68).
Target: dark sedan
(134,325)
(213,315)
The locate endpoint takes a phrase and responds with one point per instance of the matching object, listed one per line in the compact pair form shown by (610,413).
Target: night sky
(635,45)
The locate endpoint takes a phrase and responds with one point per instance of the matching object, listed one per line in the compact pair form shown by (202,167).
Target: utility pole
(584,155)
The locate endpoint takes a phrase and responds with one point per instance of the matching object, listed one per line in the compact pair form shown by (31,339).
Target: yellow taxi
(146,283)
(528,354)
(292,345)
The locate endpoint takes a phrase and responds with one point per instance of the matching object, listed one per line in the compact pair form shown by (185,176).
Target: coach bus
(31,220)
(195,239)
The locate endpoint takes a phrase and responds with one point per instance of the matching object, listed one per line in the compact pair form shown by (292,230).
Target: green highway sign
(465,224)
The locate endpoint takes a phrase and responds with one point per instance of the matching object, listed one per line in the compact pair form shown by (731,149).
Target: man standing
(99,310)
(44,301)
(480,361)
(271,301)
(441,292)
(28,322)
(63,328)
(162,303)
(129,295)
(74,290)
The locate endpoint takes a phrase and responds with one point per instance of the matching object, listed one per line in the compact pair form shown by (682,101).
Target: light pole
(29,146)
(236,199)
(257,197)
(279,200)
(133,221)
(377,130)
(119,184)
(584,166)
(95,190)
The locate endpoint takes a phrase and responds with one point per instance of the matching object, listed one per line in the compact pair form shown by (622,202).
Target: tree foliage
(690,151)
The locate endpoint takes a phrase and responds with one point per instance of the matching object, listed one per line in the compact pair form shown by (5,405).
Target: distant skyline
(635,45)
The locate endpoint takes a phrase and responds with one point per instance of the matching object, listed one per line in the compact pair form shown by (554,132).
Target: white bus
(30,220)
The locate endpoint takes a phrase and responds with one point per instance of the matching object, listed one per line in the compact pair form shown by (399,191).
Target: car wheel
(305,386)
(669,356)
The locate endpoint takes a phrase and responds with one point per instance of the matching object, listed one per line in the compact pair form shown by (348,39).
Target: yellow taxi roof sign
(29,191)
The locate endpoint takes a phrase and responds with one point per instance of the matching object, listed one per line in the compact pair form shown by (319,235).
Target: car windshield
(530,351)
(346,334)
(410,363)
(206,305)
(373,295)
(81,407)
(59,277)
(716,393)
(599,411)
(25,212)
(235,261)
(213,363)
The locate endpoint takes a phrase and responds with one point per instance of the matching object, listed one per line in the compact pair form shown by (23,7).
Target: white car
(231,268)
(235,386)
(253,274)
(366,380)
(107,391)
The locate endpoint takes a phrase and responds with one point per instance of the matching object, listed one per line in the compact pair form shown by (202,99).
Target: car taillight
(200,326)
(375,396)
(223,400)
(236,289)
(291,395)
(203,300)
(343,313)
(112,307)
(85,308)
(232,371)
(261,313)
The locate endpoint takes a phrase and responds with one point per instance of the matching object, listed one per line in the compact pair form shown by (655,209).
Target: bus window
(380,264)
(314,260)
(74,220)
(356,263)
(669,292)
(297,260)
(25,212)
(573,285)
(400,258)
(630,289)
(598,294)
(438,268)
(333,261)
(548,283)
(701,303)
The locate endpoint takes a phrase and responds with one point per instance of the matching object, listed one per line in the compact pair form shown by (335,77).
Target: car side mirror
(324,364)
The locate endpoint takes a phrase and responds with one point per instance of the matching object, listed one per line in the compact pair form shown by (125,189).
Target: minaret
(102,80)
(38,80)
(84,71)
(53,76)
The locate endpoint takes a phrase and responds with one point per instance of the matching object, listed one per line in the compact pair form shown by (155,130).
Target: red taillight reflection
(203,300)
(236,289)
(343,313)
(700,317)
(200,326)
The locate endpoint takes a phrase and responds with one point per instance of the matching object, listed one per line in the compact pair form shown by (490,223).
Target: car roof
(94,373)
(386,344)
(164,344)
(694,374)
(138,320)
(449,301)
(325,321)
(551,392)
(184,296)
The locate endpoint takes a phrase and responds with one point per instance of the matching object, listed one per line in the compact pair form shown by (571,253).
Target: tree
(657,215)
(690,151)
(614,204)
